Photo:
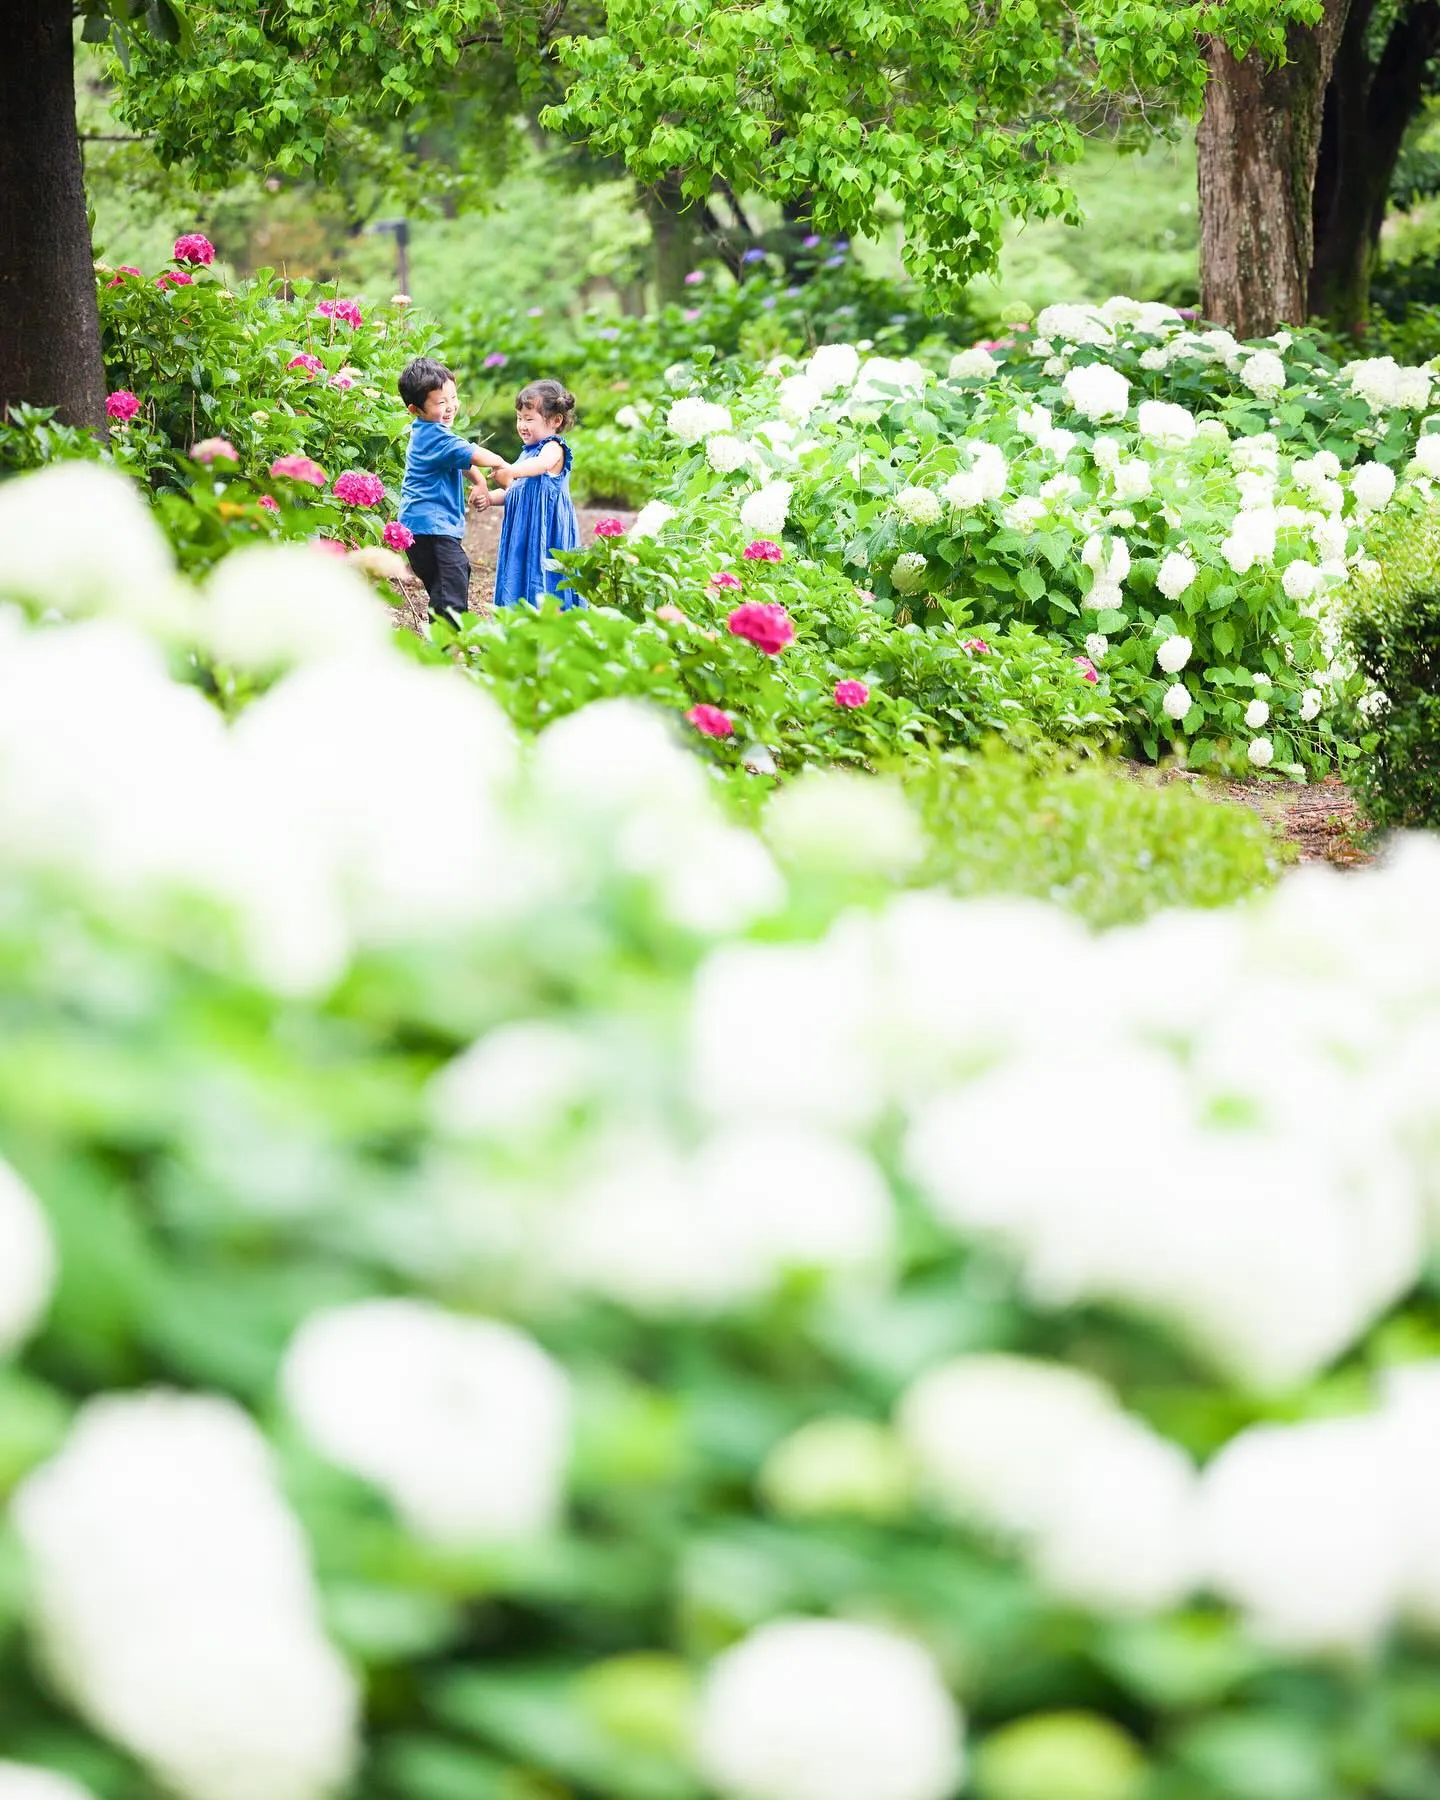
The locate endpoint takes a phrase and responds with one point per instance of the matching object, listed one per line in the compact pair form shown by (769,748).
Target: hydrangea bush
(517,1285)
(1176,506)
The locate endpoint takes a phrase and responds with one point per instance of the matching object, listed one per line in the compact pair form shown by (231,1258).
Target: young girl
(539,514)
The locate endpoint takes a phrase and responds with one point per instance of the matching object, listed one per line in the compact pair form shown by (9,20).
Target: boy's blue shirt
(432,495)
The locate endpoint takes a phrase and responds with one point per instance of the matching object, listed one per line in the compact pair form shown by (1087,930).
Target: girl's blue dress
(539,519)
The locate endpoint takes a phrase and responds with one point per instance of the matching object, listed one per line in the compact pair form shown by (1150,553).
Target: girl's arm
(550,461)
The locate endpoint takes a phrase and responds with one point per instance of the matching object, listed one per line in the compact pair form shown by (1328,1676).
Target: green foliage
(959,127)
(1392,625)
(1113,847)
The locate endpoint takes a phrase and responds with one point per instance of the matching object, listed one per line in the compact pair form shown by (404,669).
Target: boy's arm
(549,462)
(485,459)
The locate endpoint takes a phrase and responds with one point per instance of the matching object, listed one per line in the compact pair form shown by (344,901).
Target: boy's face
(440,405)
(532,425)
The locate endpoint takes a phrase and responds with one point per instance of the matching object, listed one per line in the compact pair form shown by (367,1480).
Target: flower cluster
(195,248)
(299,468)
(122,406)
(346,311)
(770,628)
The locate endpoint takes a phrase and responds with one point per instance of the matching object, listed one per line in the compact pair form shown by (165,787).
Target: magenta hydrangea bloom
(120,274)
(710,721)
(976,646)
(1086,668)
(173,278)
(122,405)
(769,628)
(269,503)
(763,550)
(724,579)
(346,311)
(215,449)
(605,528)
(341,380)
(312,365)
(497,359)
(396,536)
(194,247)
(851,693)
(355,488)
(328,546)
(298,468)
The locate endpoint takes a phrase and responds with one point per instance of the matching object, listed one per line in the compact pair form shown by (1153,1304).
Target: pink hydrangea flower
(328,547)
(396,536)
(694,278)
(866,596)
(346,311)
(608,528)
(194,247)
(173,278)
(122,405)
(497,359)
(672,615)
(710,721)
(976,646)
(769,628)
(270,504)
(851,693)
(312,365)
(723,579)
(215,449)
(120,274)
(1086,668)
(355,488)
(298,468)
(342,380)
(763,550)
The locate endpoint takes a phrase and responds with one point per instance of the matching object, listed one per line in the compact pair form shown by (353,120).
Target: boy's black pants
(441,563)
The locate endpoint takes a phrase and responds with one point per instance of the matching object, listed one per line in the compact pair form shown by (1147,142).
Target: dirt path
(482,542)
(1322,820)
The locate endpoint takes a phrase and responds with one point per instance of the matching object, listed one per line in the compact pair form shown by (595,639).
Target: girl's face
(531,424)
(441,404)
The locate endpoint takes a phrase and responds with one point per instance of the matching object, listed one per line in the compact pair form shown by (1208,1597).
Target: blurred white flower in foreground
(463,1423)
(174,1603)
(515,1084)
(831,820)
(23,1781)
(277,604)
(819,1709)
(27,1261)
(833,366)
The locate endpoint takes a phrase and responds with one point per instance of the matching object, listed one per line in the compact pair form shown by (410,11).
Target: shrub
(1392,625)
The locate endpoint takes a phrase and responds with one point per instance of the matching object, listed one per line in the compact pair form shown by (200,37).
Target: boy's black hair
(551,399)
(421,377)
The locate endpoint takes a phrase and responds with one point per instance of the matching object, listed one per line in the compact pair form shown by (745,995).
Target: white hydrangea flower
(1107,558)
(1372,484)
(1221,344)
(1106,452)
(1331,537)
(677,375)
(629,419)
(908,571)
(837,820)
(1148,317)
(272,606)
(1025,513)
(1156,358)
(1300,580)
(1262,751)
(1427,454)
(822,1709)
(1096,644)
(1061,487)
(833,366)
(964,490)
(26,1781)
(1371,705)
(1054,367)
(1058,443)
(1177,701)
(27,1261)
(973,365)
(1212,432)
(1165,423)
(1312,472)
(1263,372)
(174,1601)
(1310,703)
(1257,488)
(1251,540)
(883,379)
(921,506)
(1074,325)
(1034,422)
(1175,574)
(1173,654)
(1257,713)
(765,511)
(1384,385)
(726,454)
(463,1423)
(692,418)
(799,396)
(1133,480)
(1303,1529)
(1262,451)
(651,519)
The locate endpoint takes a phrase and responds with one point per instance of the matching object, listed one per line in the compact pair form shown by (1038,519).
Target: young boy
(432,495)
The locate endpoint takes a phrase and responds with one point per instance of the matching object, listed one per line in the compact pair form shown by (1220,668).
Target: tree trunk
(1367,110)
(49,325)
(1257,147)
(672,226)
